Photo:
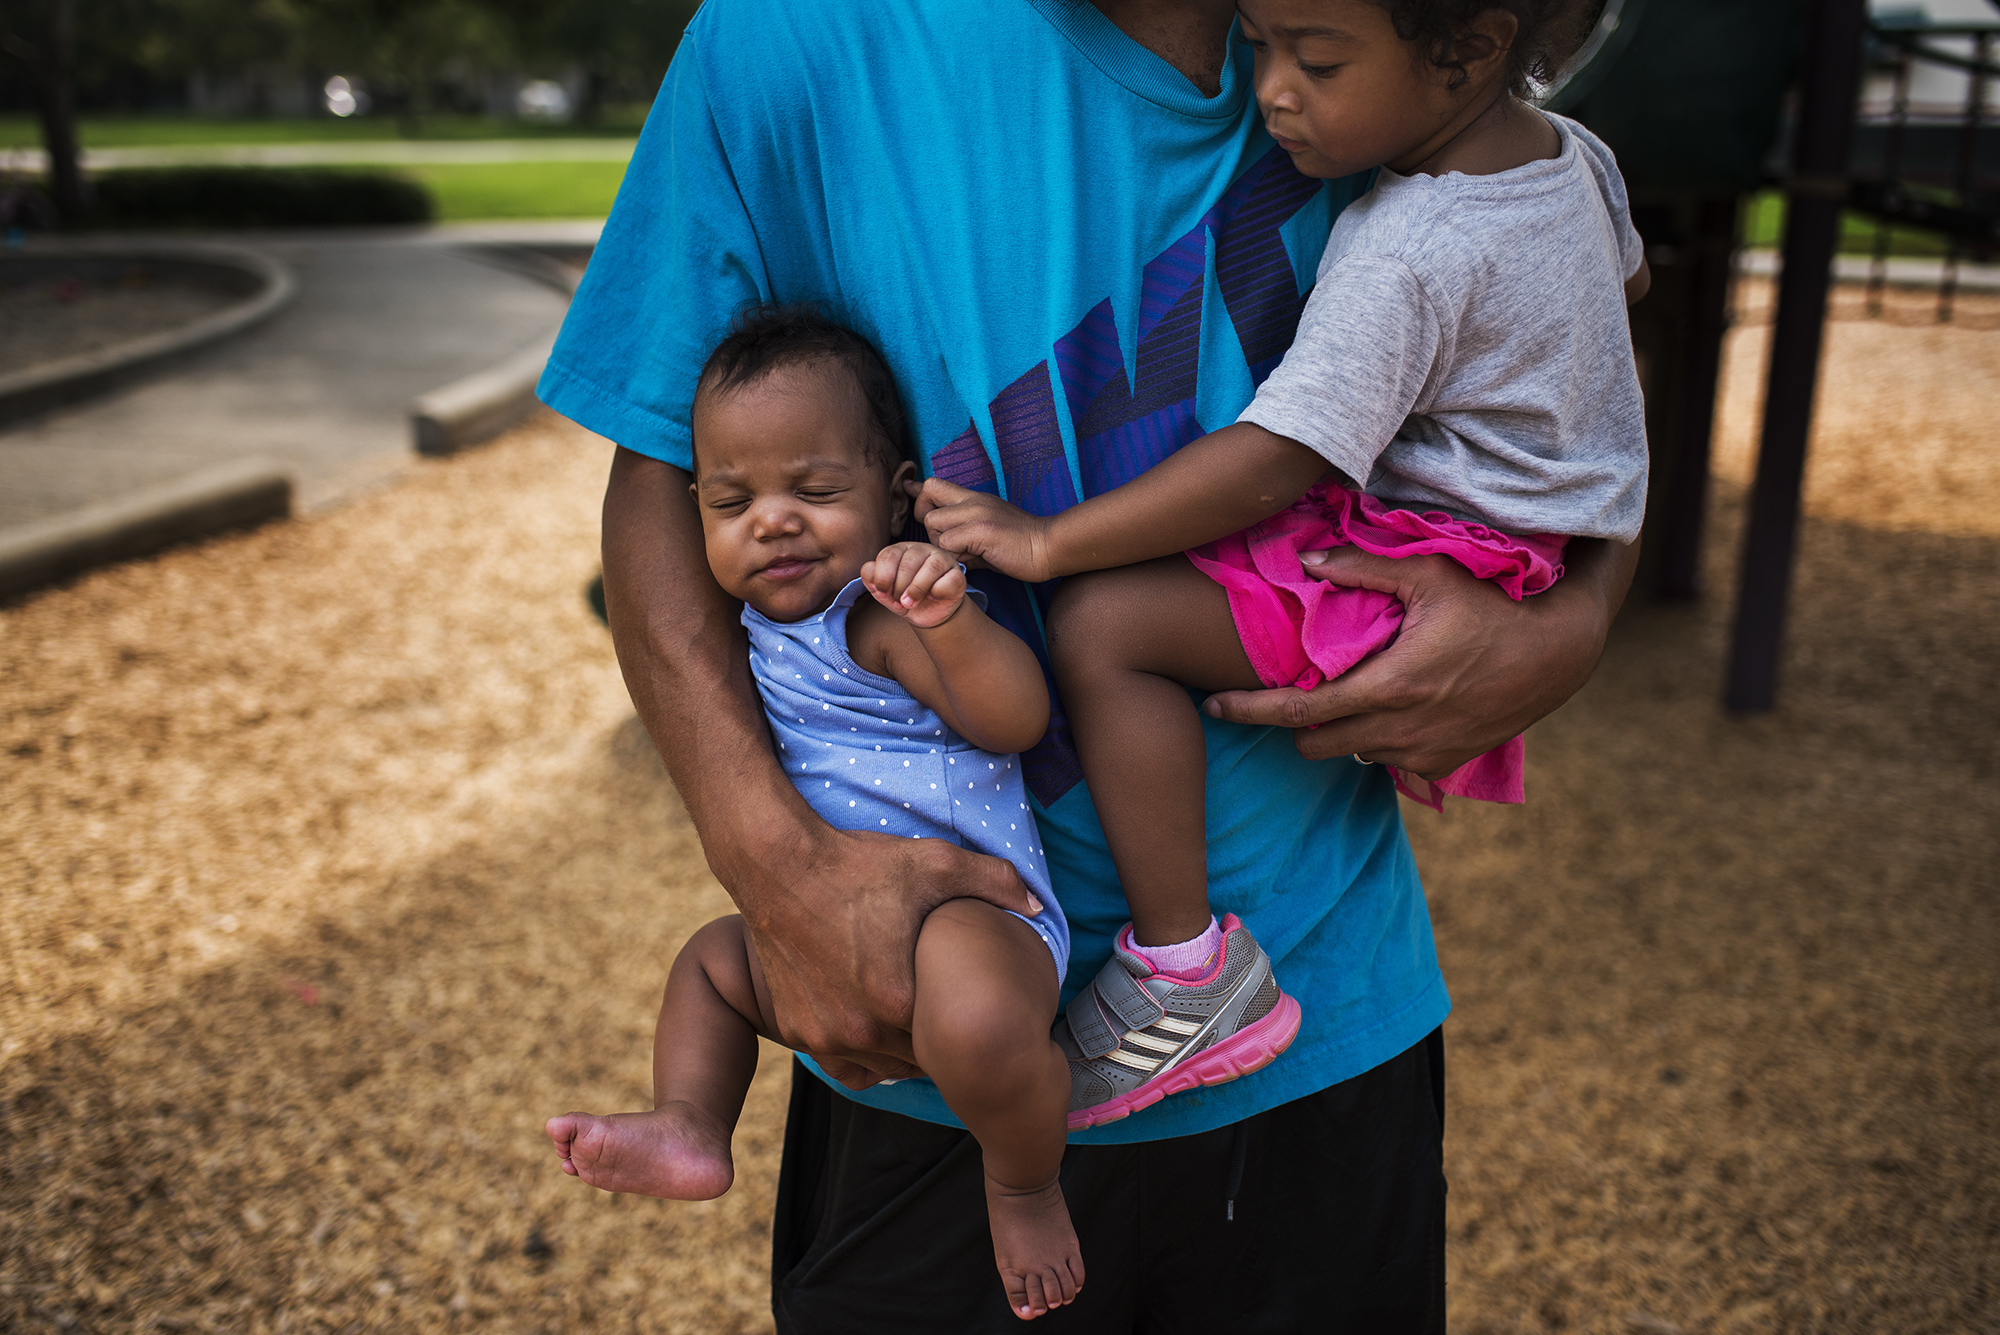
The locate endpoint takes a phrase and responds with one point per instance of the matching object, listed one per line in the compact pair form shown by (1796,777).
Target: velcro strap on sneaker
(1088,1027)
(1121,994)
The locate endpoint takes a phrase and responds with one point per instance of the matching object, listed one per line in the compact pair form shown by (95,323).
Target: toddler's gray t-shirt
(1465,347)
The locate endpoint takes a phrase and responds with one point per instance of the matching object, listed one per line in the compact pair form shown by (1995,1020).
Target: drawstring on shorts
(1239,1148)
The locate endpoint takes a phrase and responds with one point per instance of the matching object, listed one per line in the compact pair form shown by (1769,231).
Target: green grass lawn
(620,122)
(1764,229)
(585,189)
(466,192)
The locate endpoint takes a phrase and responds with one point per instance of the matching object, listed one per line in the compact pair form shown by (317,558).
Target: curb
(238,494)
(480,406)
(24,393)
(248,491)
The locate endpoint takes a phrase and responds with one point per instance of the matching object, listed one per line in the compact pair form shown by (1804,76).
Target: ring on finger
(1359,761)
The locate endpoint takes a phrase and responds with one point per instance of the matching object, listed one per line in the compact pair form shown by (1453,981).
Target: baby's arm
(1224,482)
(924,632)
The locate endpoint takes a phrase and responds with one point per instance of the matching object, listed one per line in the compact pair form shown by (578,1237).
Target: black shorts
(1337,1202)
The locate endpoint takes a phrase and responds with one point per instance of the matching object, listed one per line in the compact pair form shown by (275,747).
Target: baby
(1461,384)
(897,706)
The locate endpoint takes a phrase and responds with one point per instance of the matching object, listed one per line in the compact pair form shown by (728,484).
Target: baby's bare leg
(986,996)
(1126,644)
(704,1055)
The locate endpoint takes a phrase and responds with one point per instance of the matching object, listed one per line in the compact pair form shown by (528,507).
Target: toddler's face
(792,500)
(1340,91)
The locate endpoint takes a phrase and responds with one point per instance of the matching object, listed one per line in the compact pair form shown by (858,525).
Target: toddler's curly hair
(1550,33)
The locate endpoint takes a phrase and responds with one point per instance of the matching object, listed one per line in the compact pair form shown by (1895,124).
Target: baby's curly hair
(1551,31)
(767,336)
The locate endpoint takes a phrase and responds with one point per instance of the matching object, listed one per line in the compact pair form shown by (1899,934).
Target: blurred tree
(39,38)
(621,47)
(406,48)
(175,38)
(408,52)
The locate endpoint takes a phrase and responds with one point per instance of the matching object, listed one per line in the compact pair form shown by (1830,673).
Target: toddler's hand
(974,524)
(917,582)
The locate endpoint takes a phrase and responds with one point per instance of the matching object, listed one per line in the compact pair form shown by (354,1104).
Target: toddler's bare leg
(704,1055)
(1126,644)
(986,995)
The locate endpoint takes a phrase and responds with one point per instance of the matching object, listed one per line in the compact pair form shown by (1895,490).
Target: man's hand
(975,525)
(1470,669)
(834,921)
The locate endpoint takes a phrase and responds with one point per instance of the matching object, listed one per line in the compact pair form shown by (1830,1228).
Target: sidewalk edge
(238,494)
(480,406)
(24,393)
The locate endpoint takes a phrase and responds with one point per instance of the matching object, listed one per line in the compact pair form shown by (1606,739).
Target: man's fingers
(1361,712)
(1348,721)
(1289,707)
(857,1076)
(851,1037)
(1353,568)
(951,872)
(850,1074)
(1369,737)
(1330,720)
(839,974)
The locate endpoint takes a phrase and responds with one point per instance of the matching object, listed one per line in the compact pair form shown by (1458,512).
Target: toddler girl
(897,707)
(1461,384)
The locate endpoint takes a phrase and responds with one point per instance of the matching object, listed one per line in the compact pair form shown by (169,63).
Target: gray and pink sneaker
(1134,1036)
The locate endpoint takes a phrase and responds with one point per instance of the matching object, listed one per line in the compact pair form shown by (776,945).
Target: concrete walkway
(1899,272)
(323,389)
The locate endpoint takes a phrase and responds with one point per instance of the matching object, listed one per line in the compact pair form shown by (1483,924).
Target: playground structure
(1890,121)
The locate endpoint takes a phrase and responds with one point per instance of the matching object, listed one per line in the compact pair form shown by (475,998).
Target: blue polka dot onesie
(868,755)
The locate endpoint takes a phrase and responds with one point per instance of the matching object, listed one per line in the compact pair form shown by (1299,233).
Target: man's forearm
(685,659)
(1597,574)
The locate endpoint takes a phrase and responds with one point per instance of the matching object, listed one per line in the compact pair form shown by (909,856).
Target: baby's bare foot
(1034,1245)
(676,1151)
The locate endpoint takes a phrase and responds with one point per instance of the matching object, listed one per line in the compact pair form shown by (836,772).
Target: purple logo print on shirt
(1124,425)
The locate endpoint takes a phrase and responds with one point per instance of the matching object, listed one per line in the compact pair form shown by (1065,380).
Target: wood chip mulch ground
(331,863)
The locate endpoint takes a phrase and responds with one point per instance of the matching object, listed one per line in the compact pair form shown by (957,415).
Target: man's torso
(1075,264)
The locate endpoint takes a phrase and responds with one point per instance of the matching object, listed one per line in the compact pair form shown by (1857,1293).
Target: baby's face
(1340,91)
(792,500)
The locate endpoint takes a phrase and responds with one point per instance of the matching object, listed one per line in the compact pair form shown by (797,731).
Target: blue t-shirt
(1075,264)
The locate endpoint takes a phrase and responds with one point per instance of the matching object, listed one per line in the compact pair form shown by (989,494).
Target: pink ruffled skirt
(1299,631)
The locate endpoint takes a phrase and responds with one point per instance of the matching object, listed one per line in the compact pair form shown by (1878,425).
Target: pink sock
(1185,960)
